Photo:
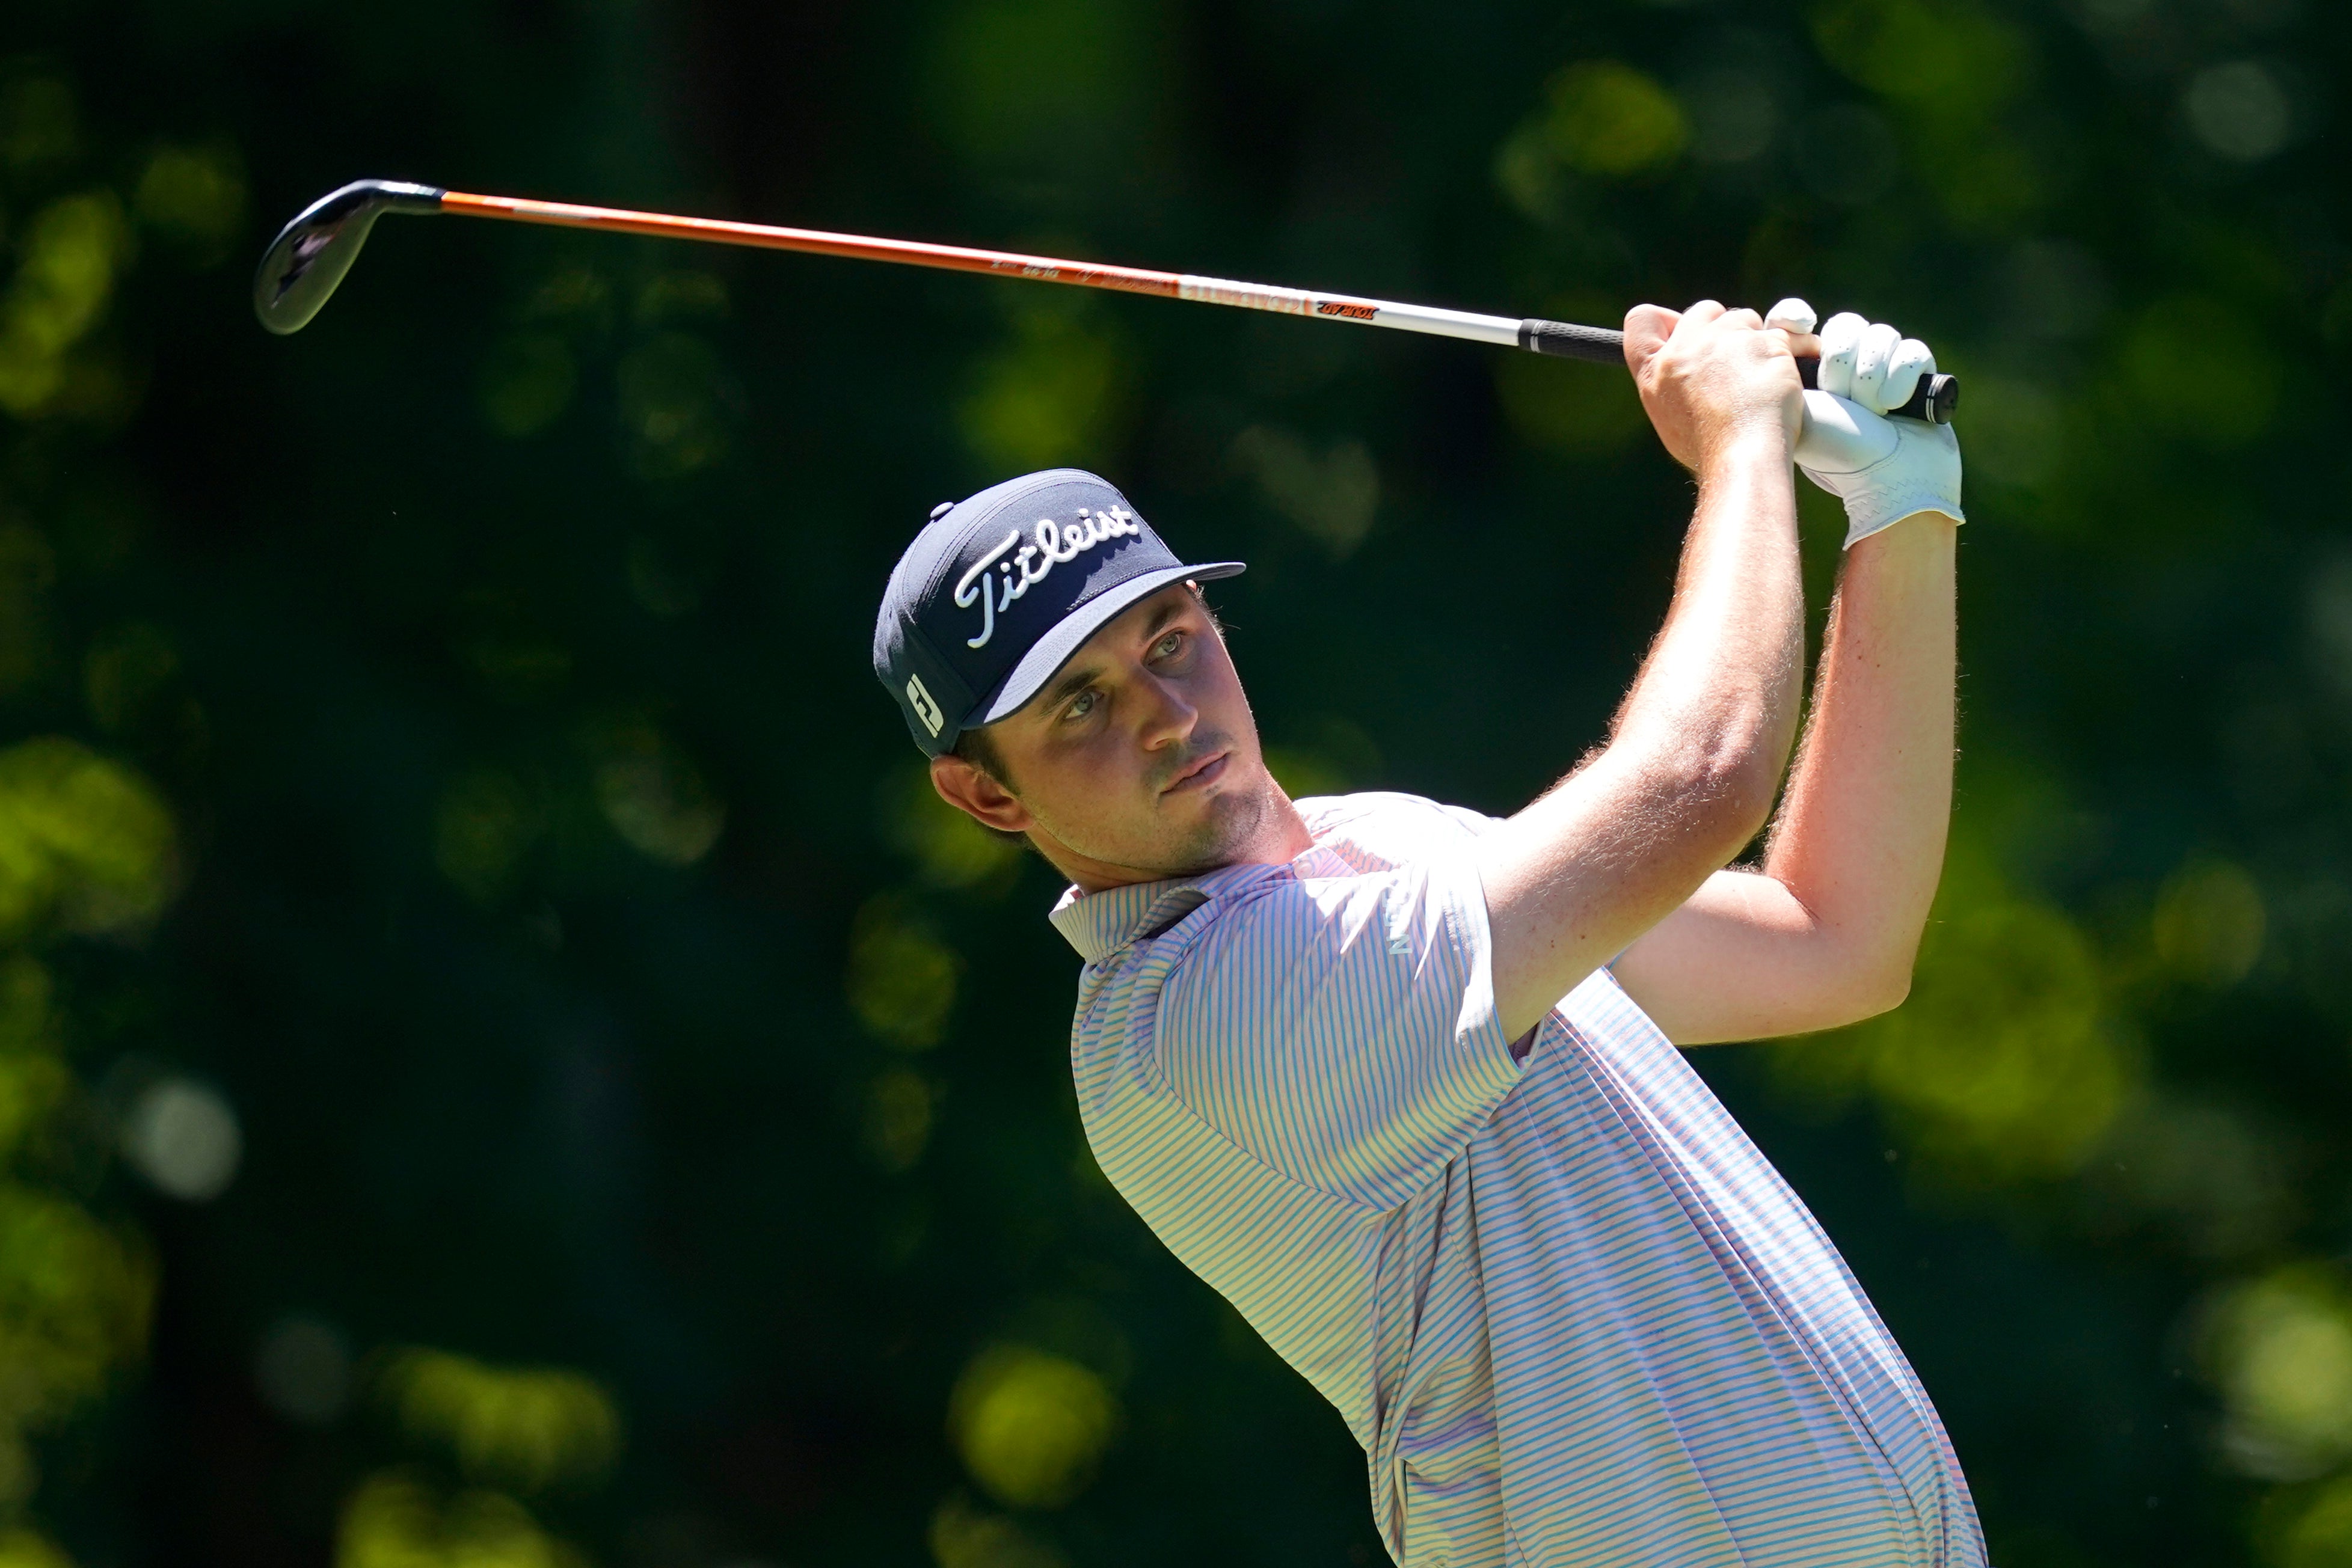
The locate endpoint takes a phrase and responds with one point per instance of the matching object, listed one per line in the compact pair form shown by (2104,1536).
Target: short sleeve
(1342,1030)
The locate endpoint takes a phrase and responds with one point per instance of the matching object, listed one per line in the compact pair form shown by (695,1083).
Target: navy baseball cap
(1000,588)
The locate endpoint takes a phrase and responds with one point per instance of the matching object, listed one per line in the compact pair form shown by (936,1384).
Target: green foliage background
(500,1061)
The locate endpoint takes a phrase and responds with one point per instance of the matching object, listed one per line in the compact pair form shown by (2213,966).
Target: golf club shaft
(1007,264)
(1934,400)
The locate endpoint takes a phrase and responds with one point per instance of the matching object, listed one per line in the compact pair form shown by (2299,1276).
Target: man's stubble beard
(1228,828)
(1223,836)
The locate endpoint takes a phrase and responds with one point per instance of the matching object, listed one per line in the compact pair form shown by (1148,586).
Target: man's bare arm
(1825,932)
(1688,773)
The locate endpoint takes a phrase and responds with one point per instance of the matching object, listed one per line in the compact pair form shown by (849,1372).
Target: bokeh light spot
(184,1137)
(2281,1351)
(194,196)
(898,1110)
(1032,1426)
(902,978)
(62,286)
(39,123)
(656,799)
(393,1521)
(2238,110)
(486,823)
(2001,1066)
(677,404)
(81,838)
(2319,1533)
(22,1549)
(527,381)
(303,1369)
(1051,395)
(962,1536)
(74,1297)
(526,1427)
(952,850)
(1733,113)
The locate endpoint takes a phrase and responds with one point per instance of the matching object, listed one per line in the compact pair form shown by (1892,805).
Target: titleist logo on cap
(948,645)
(1055,543)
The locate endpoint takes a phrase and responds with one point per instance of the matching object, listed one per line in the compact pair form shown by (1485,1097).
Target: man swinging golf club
(1399,1079)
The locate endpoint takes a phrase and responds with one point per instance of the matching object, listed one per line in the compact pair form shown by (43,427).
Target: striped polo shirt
(1570,1311)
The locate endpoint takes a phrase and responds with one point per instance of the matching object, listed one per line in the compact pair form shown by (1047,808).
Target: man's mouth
(1199,773)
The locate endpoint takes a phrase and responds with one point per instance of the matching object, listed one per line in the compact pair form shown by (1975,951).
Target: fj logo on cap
(1055,542)
(926,708)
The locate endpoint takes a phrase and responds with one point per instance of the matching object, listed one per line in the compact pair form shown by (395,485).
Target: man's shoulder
(1377,830)
(1362,842)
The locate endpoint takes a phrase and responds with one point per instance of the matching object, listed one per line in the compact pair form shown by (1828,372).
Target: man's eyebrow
(1169,609)
(1070,684)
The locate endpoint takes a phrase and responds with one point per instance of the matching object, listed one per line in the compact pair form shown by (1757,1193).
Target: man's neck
(1282,836)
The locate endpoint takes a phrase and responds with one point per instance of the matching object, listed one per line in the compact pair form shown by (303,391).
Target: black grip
(1600,345)
(1934,399)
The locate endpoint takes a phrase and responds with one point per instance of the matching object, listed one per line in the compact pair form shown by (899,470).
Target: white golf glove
(1884,470)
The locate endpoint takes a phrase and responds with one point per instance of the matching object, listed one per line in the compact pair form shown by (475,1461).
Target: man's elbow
(1731,798)
(1868,989)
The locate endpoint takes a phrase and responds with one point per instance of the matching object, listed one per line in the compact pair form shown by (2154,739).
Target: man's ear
(978,796)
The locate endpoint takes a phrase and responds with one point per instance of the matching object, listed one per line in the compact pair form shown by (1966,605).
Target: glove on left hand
(1884,470)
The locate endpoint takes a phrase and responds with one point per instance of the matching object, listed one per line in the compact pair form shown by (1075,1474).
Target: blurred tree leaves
(443,791)
(525,1426)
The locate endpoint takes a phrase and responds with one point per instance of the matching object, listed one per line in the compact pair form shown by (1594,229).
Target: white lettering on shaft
(1053,544)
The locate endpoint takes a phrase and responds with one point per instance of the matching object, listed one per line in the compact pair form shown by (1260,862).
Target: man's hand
(1709,377)
(1884,470)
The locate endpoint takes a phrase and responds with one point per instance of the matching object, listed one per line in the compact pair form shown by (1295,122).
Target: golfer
(1399,1079)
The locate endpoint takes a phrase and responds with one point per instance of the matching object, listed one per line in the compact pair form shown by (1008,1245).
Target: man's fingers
(1698,317)
(1870,362)
(1911,359)
(1841,342)
(1647,328)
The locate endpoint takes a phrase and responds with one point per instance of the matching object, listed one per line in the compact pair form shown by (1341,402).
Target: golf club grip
(1934,399)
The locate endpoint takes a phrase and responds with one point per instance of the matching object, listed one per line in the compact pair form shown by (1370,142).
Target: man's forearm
(1689,770)
(1859,841)
(1824,935)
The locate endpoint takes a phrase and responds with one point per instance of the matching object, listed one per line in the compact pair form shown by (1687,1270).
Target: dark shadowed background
(503,1064)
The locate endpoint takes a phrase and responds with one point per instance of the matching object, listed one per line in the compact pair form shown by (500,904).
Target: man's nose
(1167,718)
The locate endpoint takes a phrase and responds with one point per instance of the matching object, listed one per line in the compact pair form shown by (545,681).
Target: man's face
(1139,760)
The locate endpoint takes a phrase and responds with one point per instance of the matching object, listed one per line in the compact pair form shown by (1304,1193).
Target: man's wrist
(1753,445)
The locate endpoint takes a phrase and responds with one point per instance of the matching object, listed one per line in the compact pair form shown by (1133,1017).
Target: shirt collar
(1100,924)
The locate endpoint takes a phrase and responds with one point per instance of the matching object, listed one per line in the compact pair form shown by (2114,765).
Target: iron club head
(312,254)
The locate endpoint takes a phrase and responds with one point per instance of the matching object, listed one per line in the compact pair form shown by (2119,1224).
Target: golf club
(312,253)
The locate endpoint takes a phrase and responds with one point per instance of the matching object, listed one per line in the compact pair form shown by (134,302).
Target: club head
(310,255)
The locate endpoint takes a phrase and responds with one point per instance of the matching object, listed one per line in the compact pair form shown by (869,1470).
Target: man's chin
(1228,824)
(1218,828)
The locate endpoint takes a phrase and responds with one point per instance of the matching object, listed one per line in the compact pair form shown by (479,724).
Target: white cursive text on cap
(1055,543)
